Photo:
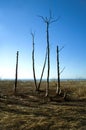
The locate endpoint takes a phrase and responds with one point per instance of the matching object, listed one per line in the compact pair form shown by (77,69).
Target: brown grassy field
(28,110)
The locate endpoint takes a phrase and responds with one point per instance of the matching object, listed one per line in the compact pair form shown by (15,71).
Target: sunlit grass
(31,111)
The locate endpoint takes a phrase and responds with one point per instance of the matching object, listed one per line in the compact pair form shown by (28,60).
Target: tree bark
(58,73)
(42,70)
(33,62)
(48,50)
(16,73)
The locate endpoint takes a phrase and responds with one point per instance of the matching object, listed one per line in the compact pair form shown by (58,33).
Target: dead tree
(58,73)
(33,62)
(48,21)
(58,89)
(16,73)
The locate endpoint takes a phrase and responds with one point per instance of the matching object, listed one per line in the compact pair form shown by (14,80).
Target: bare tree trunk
(16,74)
(48,21)
(42,70)
(48,50)
(33,62)
(58,73)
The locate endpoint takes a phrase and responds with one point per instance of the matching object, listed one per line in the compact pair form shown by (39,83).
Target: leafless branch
(50,19)
(42,18)
(61,48)
(33,34)
(43,69)
(62,70)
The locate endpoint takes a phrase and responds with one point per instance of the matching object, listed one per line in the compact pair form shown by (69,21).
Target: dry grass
(31,111)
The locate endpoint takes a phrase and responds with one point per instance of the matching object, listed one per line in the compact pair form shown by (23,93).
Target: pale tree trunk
(48,21)
(48,71)
(58,73)
(42,70)
(16,73)
(33,62)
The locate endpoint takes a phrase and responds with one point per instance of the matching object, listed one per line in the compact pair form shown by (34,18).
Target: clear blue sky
(19,17)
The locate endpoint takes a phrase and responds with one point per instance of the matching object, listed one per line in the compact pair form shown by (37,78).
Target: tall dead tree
(16,73)
(58,73)
(48,21)
(33,62)
(58,89)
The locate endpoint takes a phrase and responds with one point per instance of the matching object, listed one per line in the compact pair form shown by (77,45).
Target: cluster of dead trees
(47,21)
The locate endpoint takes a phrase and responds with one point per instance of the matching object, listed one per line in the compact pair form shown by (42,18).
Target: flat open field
(28,110)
